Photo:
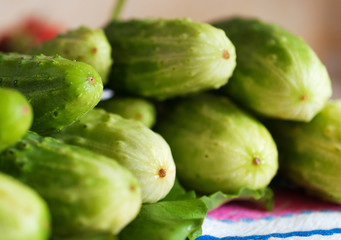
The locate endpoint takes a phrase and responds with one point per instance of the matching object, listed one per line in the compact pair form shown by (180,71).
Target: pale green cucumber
(24,215)
(278,75)
(82,44)
(145,153)
(164,58)
(138,109)
(217,146)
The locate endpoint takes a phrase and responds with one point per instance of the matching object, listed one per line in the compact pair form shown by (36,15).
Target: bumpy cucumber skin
(145,153)
(87,193)
(277,75)
(23,213)
(138,109)
(216,146)
(59,90)
(16,117)
(160,58)
(82,44)
(310,153)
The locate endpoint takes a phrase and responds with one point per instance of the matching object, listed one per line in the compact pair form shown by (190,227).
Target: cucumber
(164,58)
(16,116)
(87,193)
(217,146)
(59,90)
(23,213)
(277,75)
(144,152)
(82,44)
(310,153)
(138,109)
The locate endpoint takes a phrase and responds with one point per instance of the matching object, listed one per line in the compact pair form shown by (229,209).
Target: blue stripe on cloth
(270,218)
(276,235)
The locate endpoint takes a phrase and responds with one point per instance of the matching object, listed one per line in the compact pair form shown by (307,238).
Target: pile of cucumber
(218,109)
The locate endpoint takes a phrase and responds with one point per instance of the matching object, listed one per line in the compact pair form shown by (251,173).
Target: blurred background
(318,22)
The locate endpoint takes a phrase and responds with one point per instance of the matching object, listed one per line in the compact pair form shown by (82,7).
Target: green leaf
(178,216)
(263,197)
(179,193)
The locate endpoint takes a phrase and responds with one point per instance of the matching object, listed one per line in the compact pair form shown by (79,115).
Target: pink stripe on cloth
(286,202)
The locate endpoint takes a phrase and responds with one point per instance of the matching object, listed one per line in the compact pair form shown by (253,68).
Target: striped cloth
(295,217)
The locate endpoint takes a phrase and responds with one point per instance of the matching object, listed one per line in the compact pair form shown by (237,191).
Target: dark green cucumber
(145,153)
(138,109)
(24,215)
(163,58)
(87,193)
(82,44)
(277,75)
(16,116)
(59,90)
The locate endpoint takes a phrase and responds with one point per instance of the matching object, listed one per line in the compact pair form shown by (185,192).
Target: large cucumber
(217,146)
(277,75)
(310,153)
(144,152)
(87,193)
(163,58)
(23,213)
(82,44)
(15,116)
(138,109)
(59,90)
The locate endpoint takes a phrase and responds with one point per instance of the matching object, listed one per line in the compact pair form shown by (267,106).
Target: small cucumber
(87,193)
(24,215)
(59,90)
(16,116)
(138,109)
(277,75)
(145,153)
(164,58)
(82,44)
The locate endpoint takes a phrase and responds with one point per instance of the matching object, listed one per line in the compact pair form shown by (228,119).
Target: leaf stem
(117,10)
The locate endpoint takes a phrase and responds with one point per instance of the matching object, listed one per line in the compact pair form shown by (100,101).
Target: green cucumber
(87,193)
(82,44)
(164,58)
(138,109)
(24,215)
(16,116)
(145,153)
(217,146)
(310,153)
(59,90)
(277,75)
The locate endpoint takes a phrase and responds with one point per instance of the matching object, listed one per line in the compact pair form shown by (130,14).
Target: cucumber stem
(117,10)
